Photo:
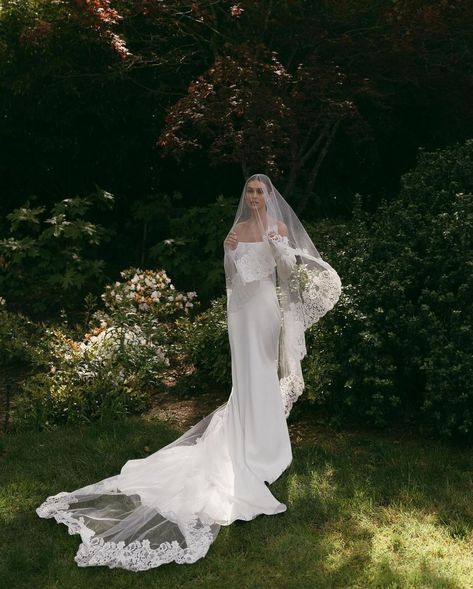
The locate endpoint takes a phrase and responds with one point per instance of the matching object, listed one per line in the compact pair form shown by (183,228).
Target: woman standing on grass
(170,506)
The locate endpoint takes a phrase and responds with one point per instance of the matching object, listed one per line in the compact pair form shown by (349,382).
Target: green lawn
(364,510)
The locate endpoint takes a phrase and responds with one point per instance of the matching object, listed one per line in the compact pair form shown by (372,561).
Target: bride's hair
(262,178)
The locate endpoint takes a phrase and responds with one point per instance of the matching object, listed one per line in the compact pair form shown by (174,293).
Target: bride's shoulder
(282,227)
(240,227)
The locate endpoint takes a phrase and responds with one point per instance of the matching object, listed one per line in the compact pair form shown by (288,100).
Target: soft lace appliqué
(135,556)
(255,263)
(318,296)
(292,387)
(139,556)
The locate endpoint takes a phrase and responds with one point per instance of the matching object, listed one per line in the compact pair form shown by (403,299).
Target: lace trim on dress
(254,265)
(135,556)
(292,387)
(318,296)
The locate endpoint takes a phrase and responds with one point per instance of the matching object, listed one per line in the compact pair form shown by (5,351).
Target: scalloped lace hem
(137,555)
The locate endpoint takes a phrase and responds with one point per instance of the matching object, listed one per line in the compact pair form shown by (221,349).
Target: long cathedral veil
(170,505)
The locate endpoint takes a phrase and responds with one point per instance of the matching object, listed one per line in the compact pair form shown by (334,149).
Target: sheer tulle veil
(308,287)
(169,506)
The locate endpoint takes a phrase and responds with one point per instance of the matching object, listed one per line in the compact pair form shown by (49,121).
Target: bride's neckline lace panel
(254,263)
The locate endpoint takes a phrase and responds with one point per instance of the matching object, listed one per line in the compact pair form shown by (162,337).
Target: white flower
(2,301)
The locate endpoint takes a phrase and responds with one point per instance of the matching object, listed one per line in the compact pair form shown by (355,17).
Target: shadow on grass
(362,512)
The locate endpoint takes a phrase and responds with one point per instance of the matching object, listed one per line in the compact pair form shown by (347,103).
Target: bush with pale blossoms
(134,350)
(110,373)
(113,369)
(149,291)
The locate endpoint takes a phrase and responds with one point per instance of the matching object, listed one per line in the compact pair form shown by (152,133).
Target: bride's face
(255,195)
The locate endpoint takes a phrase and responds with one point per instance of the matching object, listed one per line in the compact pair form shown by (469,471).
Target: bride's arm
(285,259)
(230,244)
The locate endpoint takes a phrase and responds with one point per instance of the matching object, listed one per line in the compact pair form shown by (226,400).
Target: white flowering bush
(148,291)
(107,374)
(113,369)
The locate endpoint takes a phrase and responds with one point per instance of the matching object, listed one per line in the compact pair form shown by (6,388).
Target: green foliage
(400,341)
(397,347)
(18,339)
(194,251)
(48,260)
(46,402)
(112,370)
(205,341)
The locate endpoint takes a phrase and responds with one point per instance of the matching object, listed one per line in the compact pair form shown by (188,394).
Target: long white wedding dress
(170,505)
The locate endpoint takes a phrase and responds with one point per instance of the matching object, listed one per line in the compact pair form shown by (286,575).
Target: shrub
(113,369)
(397,347)
(108,374)
(18,338)
(399,343)
(149,291)
(194,253)
(47,262)
(205,341)
(48,401)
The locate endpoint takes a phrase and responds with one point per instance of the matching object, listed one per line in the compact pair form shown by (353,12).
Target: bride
(170,505)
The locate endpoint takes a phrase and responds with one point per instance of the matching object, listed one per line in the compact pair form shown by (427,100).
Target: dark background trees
(149,97)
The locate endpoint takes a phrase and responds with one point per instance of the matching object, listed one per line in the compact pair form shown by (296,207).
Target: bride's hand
(273,236)
(231,241)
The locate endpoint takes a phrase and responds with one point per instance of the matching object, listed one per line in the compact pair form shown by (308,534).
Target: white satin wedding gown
(170,505)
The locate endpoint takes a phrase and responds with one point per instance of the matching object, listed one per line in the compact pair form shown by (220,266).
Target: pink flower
(236,10)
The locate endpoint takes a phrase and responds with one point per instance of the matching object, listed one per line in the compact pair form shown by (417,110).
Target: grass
(364,511)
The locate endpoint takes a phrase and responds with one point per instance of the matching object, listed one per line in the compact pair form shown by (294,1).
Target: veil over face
(307,286)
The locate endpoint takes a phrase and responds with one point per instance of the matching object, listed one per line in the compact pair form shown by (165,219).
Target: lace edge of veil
(135,556)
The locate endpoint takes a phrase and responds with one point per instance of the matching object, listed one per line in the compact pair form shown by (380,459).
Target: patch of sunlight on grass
(14,497)
(417,550)
(321,482)
(337,550)
(315,484)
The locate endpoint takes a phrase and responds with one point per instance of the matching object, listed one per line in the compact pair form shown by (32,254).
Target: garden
(129,129)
